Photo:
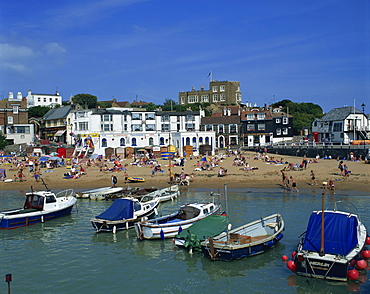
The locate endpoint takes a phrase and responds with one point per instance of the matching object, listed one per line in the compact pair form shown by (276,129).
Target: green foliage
(105,104)
(38,111)
(87,100)
(3,141)
(150,106)
(303,113)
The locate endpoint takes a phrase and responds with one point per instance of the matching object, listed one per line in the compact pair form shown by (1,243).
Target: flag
(210,73)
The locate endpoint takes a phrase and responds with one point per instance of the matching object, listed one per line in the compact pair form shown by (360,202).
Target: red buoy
(361,264)
(291,265)
(367,240)
(353,274)
(294,253)
(284,258)
(352,263)
(365,254)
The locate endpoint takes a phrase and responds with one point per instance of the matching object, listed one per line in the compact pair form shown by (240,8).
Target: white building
(122,128)
(34,99)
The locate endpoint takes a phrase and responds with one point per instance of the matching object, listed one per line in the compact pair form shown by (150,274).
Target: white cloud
(55,49)
(14,52)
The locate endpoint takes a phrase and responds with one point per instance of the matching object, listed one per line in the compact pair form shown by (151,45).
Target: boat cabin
(189,211)
(36,201)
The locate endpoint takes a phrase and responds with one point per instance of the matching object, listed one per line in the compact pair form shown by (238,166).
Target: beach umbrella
(205,159)
(43,159)
(94,156)
(54,158)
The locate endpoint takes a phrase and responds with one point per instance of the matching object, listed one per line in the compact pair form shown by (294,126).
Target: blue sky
(305,51)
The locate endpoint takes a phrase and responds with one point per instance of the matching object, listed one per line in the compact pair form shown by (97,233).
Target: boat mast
(322,253)
(227,213)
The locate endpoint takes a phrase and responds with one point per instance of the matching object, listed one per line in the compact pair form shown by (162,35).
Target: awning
(60,132)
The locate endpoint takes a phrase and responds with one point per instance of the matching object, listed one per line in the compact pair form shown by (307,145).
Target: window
(200,140)
(133,142)
(106,117)
(207,140)
(136,127)
(38,99)
(209,128)
(151,141)
(104,142)
(122,142)
(125,117)
(187,141)
(278,131)
(214,89)
(194,142)
(250,127)
(238,97)
(250,116)
(10,120)
(337,127)
(285,131)
(189,117)
(83,126)
(165,127)
(222,97)
(261,127)
(15,109)
(50,100)
(278,120)
(44,99)
(182,100)
(149,127)
(80,114)
(221,129)
(161,141)
(233,129)
(149,116)
(193,99)
(261,115)
(285,120)
(106,127)
(215,97)
(189,127)
(165,118)
(22,130)
(56,100)
(136,116)
(205,98)
(125,127)
(222,88)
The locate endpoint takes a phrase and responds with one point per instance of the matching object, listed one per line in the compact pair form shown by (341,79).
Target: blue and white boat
(124,213)
(250,239)
(40,206)
(331,245)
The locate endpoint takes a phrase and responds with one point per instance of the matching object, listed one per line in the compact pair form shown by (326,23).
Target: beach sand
(264,176)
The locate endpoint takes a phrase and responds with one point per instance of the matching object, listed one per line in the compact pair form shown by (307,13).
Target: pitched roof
(57,113)
(339,113)
(208,120)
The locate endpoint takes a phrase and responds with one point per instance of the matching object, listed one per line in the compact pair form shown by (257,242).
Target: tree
(38,111)
(150,106)
(169,105)
(3,141)
(105,104)
(87,100)
(303,113)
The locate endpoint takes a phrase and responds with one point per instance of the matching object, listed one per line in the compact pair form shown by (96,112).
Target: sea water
(67,256)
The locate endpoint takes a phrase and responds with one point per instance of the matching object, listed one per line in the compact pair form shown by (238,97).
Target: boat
(170,225)
(100,193)
(40,206)
(136,179)
(247,240)
(210,226)
(331,246)
(164,194)
(124,213)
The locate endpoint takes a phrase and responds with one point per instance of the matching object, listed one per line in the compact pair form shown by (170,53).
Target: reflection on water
(66,255)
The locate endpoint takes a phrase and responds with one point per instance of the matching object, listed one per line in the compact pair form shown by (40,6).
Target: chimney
(192,89)
(202,88)
(57,93)
(19,95)
(11,95)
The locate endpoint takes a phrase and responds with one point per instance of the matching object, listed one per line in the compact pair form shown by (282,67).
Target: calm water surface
(66,256)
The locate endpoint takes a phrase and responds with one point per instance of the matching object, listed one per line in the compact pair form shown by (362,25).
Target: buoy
(367,240)
(353,274)
(361,264)
(284,258)
(294,253)
(291,265)
(352,263)
(365,254)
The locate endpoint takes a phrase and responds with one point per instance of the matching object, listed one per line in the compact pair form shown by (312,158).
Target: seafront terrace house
(125,129)
(226,124)
(57,124)
(14,120)
(341,125)
(220,92)
(36,99)
(262,126)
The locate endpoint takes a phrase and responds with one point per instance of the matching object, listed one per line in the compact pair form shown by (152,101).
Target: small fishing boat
(124,213)
(332,246)
(136,179)
(250,239)
(210,226)
(40,206)
(170,225)
(100,193)
(164,194)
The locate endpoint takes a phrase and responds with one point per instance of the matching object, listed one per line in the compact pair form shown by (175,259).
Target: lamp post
(363,120)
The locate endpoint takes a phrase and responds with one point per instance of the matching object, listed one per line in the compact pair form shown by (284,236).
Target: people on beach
(332,186)
(114,181)
(313,178)
(294,185)
(304,163)
(125,176)
(340,167)
(346,171)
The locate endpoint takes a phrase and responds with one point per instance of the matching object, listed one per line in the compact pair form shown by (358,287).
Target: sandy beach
(263,175)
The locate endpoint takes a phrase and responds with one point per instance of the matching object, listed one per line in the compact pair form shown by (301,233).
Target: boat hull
(244,251)
(33,218)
